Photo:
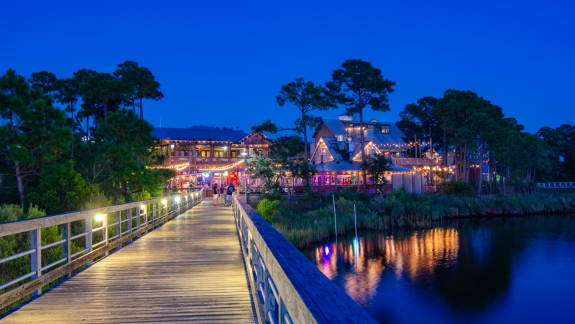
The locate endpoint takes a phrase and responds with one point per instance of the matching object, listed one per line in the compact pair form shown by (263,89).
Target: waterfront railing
(286,286)
(130,221)
(556,185)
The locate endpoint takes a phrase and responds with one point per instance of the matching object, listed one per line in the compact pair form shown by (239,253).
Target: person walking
(215,188)
(222,189)
(229,192)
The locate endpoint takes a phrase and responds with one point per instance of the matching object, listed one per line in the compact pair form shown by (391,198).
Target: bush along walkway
(310,220)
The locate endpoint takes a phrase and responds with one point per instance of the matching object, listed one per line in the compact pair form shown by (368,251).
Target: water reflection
(463,270)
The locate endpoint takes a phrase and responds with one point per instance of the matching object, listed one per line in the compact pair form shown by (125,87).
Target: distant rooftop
(200,133)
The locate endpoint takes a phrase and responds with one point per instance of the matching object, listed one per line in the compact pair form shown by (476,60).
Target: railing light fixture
(99,217)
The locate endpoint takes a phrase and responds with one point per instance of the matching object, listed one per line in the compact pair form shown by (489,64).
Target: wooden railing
(556,185)
(130,221)
(288,288)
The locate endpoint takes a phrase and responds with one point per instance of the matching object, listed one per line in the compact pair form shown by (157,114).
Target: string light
(178,167)
(225,167)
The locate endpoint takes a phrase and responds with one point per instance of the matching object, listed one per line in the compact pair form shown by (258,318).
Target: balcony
(200,162)
(414,161)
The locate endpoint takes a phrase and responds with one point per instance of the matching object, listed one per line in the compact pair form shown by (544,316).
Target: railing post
(88,227)
(129,222)
(157,212)
(119,227)
(139,215)
(36,257)
(105,232)
(146,215)
(66,248)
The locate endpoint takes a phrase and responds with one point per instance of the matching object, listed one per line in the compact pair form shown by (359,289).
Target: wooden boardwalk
(189,270)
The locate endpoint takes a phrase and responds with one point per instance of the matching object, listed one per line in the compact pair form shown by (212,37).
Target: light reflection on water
(476,271)
(415,256)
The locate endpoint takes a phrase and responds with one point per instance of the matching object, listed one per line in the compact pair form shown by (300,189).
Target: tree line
(481,140)
(469,130)
(67,140)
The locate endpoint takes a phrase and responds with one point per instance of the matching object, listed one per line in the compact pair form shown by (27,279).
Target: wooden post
(36,257)
(129,221)
(119,227)
(138,216)
(157,211)
(88,244)
(105,232)
(66,248)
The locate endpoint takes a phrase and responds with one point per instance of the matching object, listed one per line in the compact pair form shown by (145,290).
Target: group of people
(219,192)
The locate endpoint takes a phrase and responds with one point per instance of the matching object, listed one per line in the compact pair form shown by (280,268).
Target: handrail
(286,286)
(147,215)
(566,184)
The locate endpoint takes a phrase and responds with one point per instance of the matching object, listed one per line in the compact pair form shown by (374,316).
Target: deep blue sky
(222,63)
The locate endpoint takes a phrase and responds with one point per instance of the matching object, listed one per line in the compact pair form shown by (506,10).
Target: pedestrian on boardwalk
(215,188)
(229,192)
(222,189)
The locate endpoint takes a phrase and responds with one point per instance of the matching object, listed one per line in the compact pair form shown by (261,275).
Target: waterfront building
(204,155)
(337,154)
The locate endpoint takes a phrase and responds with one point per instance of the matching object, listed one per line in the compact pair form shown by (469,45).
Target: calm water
(511,270)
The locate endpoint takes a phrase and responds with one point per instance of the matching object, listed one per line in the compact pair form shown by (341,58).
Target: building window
(385,129)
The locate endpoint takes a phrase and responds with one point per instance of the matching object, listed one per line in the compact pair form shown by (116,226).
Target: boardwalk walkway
(189,270)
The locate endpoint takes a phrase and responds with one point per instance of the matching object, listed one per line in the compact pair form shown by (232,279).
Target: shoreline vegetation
(311,218)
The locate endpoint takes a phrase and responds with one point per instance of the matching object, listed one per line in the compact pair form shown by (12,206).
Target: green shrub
(267,208)
(140,196)
(457,187)
(98,200)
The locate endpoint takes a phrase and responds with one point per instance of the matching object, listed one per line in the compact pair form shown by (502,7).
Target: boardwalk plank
(189,270)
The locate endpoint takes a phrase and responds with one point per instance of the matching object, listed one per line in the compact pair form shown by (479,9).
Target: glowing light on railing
(99,217)
(177,199)
(164,201)
(143,207)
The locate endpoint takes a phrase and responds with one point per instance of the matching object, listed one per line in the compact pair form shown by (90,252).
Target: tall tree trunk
(19,181)
(141,109)
(72,128)
(534,170)
(134,106)
(362,140)
(492,172)
(444,148)
(87,128)
(465,167)
(480,178)
(305,148)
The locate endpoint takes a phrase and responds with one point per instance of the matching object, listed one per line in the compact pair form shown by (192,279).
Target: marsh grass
(309,220)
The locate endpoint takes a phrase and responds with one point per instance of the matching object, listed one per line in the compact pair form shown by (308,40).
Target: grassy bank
(311,219)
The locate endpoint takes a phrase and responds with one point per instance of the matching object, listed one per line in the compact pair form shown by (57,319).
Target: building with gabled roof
(337,153)
(205,154)
(340,140)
